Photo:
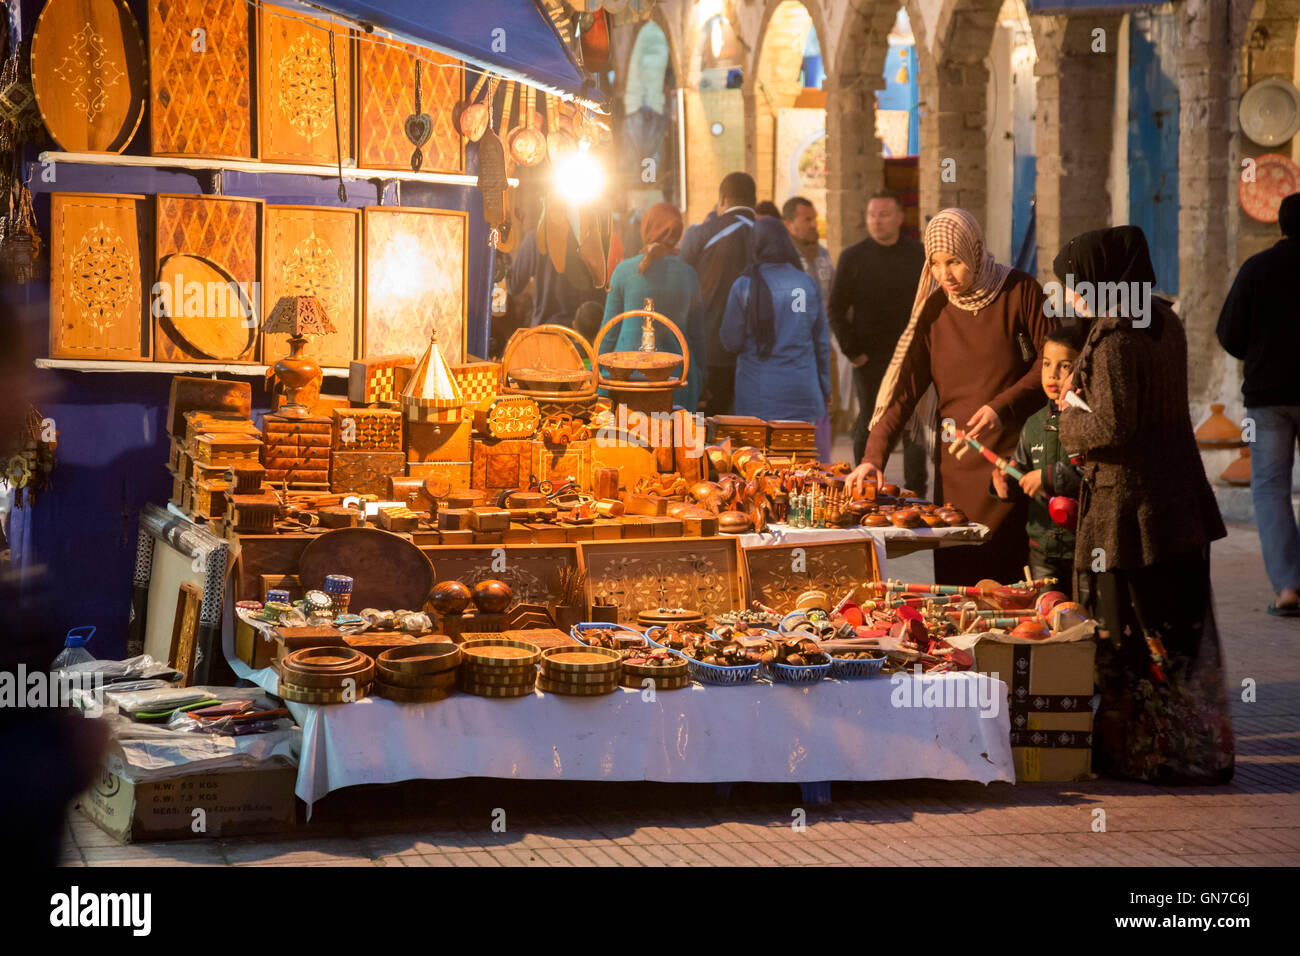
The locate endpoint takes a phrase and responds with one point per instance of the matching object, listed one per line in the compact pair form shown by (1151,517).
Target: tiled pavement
(1252,822)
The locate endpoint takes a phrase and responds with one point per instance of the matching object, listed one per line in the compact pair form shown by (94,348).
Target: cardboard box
(234,803)
(1050,687)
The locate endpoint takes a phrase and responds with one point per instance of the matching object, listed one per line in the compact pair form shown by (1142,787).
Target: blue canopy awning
(511,38)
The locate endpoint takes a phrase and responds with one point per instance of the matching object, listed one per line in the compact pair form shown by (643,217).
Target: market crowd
(1085,402)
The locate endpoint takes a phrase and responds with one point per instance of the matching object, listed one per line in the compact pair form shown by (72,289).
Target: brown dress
(974,359)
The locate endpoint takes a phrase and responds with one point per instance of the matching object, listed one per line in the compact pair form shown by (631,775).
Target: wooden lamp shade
(297,316)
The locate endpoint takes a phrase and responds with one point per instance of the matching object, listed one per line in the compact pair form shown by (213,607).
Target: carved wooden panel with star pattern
(779,574)
(298,86)
(99,248)
(386,97)
(314,251)
(701,574)
(200,86)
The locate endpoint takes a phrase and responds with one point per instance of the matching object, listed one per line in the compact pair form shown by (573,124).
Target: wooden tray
(392,678)
(405,299)
(421,659)
(705,574)
(314,251)
(388,571)
(497,652)
(307,695)
(777,576)
(386,96)
(89,74)
(565,663)
(98,252)
(200,104)
(531,570)
(411,695)
(295,92)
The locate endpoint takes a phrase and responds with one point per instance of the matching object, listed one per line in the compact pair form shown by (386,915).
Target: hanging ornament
(419,126)
(20,254)
(492,181)
(28,463)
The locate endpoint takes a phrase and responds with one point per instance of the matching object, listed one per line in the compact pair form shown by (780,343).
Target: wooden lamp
(296,316)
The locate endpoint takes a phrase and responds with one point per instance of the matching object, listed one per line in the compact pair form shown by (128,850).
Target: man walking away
(870,304)
(1258,324)
(720,249)
(800,217)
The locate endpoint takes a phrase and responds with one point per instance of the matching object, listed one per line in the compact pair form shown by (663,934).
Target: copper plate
(388,571)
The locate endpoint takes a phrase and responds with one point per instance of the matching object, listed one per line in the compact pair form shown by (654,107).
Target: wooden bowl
(450,597)
(492,596)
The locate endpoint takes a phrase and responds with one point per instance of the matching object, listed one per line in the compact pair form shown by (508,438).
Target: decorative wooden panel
(777,579)
(226,233)
(88,73)
(386,96)
(314,251)
(200,100)
(98,253)
(296,93)
(703,574)
(502,464)
(532,571)
(415,280)
(557,463)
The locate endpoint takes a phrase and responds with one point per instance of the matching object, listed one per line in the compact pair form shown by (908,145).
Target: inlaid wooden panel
(415,280)
(99,254)
(200,88)
(386,97)
(532,571)
(224,231)
(704,574)
(778,575)
(297,92)
(314,251)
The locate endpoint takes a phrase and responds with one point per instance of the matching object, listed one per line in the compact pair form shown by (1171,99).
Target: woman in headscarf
(659,274)
(775,320)
(976,334)
(1146,520)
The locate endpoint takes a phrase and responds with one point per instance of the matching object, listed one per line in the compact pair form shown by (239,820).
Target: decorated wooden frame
(386,97)
(777,574)
(314,250)
(703,574)
(415,278)
(531,570)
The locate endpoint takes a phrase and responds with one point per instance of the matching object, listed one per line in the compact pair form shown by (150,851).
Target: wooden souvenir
(508,416)
(338,516)
(185,630)
(405,297)
(357,552)
(403,488)
(379,379)
(705,574)
(777,579)
(430,441)
(532,571)
(281,582)
(479,382)
(462,536)
(206,260)
(785,436)
(452,474)
(741,429)
(200,102)
(633,460)
(518,533)
(398,519)
(205,394)
(605,482)
(688,448)
(365,472)
(298,89)
(502,464)
(226,448)
(253,514)
(209,498)
(245,477)
(386,95)
(489,520)
(296,450)
(174,451)
(314,251)
(99,276)
(216,423)
(635,503)
(89,74)
(662,526)
(453,519)
(366,429)
(560,463)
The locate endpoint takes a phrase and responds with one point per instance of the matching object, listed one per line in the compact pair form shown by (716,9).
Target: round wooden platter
(660,683)
(411,695)
(225,332)
(426,681)
(515,679)
(481,690)
(489,652)
(423,658)
(90,74)
(660,617)
(310,695)
(608,677)
(387,569)
(304,673)
(576,690)
(557,661)
(639,671)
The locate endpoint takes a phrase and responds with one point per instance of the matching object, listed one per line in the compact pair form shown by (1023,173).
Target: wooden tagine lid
(1218,431)
(1238,473)
(663,616)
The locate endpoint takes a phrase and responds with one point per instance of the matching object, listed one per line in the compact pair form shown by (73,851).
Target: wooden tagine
(1238,473)
(1218,431)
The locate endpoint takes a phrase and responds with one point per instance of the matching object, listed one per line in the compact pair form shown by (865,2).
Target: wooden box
(365,472)
(386,89)
(200,104)
(546,533)
(190,394)
(366,429)
(430,441)
(379,379)
(454,519)
(226,448)
(213,244)
(633,461)
(456,474)
(703,574)
(502,464)
(479,382)
(245,477)
(741,429)
(559,463)
(253,514)
(532,571)
(778,574)
(101,265)
(252,646)
(207,423)
(398,518)
(209,497)
(297,450)
(508,416)
(295,91)
(488,519)
(401,488)
(786,436)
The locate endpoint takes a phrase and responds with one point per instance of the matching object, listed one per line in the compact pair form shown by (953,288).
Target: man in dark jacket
(720,249)
(870,304)
(1258,324)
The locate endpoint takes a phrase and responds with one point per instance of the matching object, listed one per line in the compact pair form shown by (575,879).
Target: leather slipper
(1288,610)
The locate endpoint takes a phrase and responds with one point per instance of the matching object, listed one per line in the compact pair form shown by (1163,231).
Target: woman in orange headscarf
(659,274)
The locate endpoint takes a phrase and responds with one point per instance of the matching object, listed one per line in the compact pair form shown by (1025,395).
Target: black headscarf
(772,246)
(1117,254)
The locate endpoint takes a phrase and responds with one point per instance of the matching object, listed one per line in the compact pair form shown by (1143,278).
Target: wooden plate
(324,658)
(489,652)
(308,695)
(585,660)
(480,690)
(375,643)
(89,74)
(1276,177)
(411,695)
(329,680)
(226,332)
(388,571)
(518,679)
(404,679)
(608,677)
(420,658)
(661,683)
(576,690)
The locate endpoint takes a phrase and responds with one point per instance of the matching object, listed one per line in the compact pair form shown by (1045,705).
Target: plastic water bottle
(74,647)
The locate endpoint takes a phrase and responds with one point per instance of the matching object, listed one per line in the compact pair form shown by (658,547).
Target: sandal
(1286,610)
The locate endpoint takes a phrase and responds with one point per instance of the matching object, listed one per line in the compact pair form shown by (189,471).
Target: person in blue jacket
(776,323)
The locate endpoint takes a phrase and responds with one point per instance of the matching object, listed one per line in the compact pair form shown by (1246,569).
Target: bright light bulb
(579,176)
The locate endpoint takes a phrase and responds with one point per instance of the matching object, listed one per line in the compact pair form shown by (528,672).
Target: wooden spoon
(558,140)
(528,145)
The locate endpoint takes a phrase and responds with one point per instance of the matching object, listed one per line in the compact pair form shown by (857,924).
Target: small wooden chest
(438,441)
(366,429)
(502,464)
(365,472)
(379,379)
(741,429)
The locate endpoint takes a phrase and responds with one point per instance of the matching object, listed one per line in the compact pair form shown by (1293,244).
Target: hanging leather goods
(492,181)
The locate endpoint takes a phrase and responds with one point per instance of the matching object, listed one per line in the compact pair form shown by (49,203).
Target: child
(1047,468)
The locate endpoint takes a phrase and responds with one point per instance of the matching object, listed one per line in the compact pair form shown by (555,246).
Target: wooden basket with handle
(549,384)
(656,366)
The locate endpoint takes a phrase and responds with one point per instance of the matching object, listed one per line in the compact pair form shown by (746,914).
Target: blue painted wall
(905,95)
(1153,140)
